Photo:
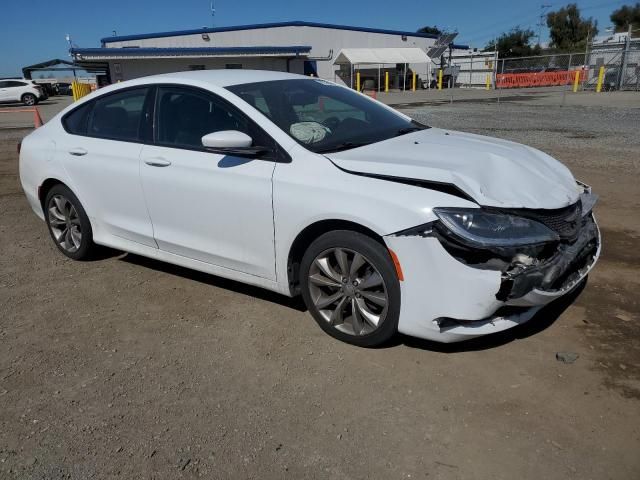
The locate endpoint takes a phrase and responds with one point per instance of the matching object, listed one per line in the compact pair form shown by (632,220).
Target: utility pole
(541,22)
(625,56)
(213,13)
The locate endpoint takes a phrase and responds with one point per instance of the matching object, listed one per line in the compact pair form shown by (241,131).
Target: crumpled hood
(494,172)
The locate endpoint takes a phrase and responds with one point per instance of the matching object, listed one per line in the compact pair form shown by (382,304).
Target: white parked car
(302,186)
(21,90)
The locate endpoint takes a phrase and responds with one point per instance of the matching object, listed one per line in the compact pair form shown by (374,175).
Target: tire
(29,99)
(346,305)
(68,223)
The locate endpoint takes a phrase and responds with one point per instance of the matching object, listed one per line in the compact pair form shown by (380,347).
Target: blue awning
(193,52)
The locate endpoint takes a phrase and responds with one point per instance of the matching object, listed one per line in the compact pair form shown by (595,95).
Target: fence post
(600,79)
(623,63)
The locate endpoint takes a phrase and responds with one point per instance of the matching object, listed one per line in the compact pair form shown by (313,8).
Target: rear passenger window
(118,116)
(75,122)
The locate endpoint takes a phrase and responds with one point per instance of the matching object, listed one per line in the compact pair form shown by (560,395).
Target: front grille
(564,221)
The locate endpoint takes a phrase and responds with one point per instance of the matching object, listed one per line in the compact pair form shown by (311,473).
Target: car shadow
(540,322)
(209,279)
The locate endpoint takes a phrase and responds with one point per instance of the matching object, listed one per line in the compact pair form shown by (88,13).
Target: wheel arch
(304,239)
(29,93)
(47,185)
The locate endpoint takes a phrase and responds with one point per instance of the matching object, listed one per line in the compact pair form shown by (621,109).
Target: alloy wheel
(65,223)
(348,291)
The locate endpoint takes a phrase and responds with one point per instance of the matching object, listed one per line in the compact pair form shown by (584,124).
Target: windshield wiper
(341,146)
(406,130)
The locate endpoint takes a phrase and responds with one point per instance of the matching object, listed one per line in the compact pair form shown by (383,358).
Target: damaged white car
(302,186)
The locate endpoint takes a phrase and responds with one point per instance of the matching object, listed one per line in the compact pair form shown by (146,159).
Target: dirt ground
(125,367)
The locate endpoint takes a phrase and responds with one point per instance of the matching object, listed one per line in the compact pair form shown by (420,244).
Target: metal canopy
(362,56)
(49,66)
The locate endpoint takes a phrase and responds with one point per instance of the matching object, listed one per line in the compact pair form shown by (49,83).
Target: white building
(299,47)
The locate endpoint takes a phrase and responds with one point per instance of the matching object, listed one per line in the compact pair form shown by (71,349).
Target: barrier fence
(601,68)
(541,79)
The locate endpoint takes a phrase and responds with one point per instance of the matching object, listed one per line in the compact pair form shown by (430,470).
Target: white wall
(321,41)
(135,68)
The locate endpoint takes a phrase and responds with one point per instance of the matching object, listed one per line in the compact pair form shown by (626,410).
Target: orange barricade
(539,79)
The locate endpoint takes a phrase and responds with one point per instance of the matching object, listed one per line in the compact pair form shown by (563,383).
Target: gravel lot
(125,367)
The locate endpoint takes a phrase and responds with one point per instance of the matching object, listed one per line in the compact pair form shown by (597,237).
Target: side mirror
(232,142)
(227,139)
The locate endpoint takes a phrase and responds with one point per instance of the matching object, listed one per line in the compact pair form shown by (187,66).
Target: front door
(5,93)
(208,207)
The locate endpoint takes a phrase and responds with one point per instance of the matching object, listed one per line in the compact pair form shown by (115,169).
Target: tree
(568,30)
(626,16)
(432,30)
(515,43)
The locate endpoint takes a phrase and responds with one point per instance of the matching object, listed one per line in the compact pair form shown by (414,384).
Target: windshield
(322,116)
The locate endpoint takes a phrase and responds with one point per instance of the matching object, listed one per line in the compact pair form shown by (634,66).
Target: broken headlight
(486,230)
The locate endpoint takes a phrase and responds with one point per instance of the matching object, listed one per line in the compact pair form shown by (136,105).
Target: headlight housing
(486,229)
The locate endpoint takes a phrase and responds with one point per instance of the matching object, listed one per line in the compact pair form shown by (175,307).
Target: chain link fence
(482,77)
(616,68)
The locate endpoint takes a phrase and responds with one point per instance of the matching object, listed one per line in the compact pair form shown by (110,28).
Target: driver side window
(186,115)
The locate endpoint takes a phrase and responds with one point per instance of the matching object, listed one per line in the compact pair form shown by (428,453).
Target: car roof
(219,78)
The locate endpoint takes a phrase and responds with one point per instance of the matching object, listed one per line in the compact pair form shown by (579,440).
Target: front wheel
(351,288)
(68,223)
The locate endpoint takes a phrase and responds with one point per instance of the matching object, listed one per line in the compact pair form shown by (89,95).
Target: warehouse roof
(117,53)
(256,26)
(361,56)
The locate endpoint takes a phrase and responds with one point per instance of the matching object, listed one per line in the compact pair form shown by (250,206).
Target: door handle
(157,162)
(77,152)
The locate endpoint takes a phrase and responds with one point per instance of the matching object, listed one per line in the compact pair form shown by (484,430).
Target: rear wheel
(29,99)
(68,223)
(350,286)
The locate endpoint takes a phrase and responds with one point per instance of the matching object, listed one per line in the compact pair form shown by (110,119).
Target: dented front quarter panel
(437,285)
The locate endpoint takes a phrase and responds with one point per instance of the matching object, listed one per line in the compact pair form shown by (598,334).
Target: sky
(34,31)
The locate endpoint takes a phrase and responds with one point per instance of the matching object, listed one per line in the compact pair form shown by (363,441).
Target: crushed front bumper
(445,300)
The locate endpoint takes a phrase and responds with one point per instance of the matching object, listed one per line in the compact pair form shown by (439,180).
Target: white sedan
(302,186)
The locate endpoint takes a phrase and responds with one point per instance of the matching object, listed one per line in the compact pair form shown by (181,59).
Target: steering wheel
(331,122)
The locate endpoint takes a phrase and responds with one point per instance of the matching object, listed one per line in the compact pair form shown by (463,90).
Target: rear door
(101,154)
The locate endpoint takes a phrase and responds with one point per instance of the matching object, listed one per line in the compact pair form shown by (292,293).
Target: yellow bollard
(576,81)
(413,82)
(440,79)
(600,80)
(488,82)
(358,81)
(386,82)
